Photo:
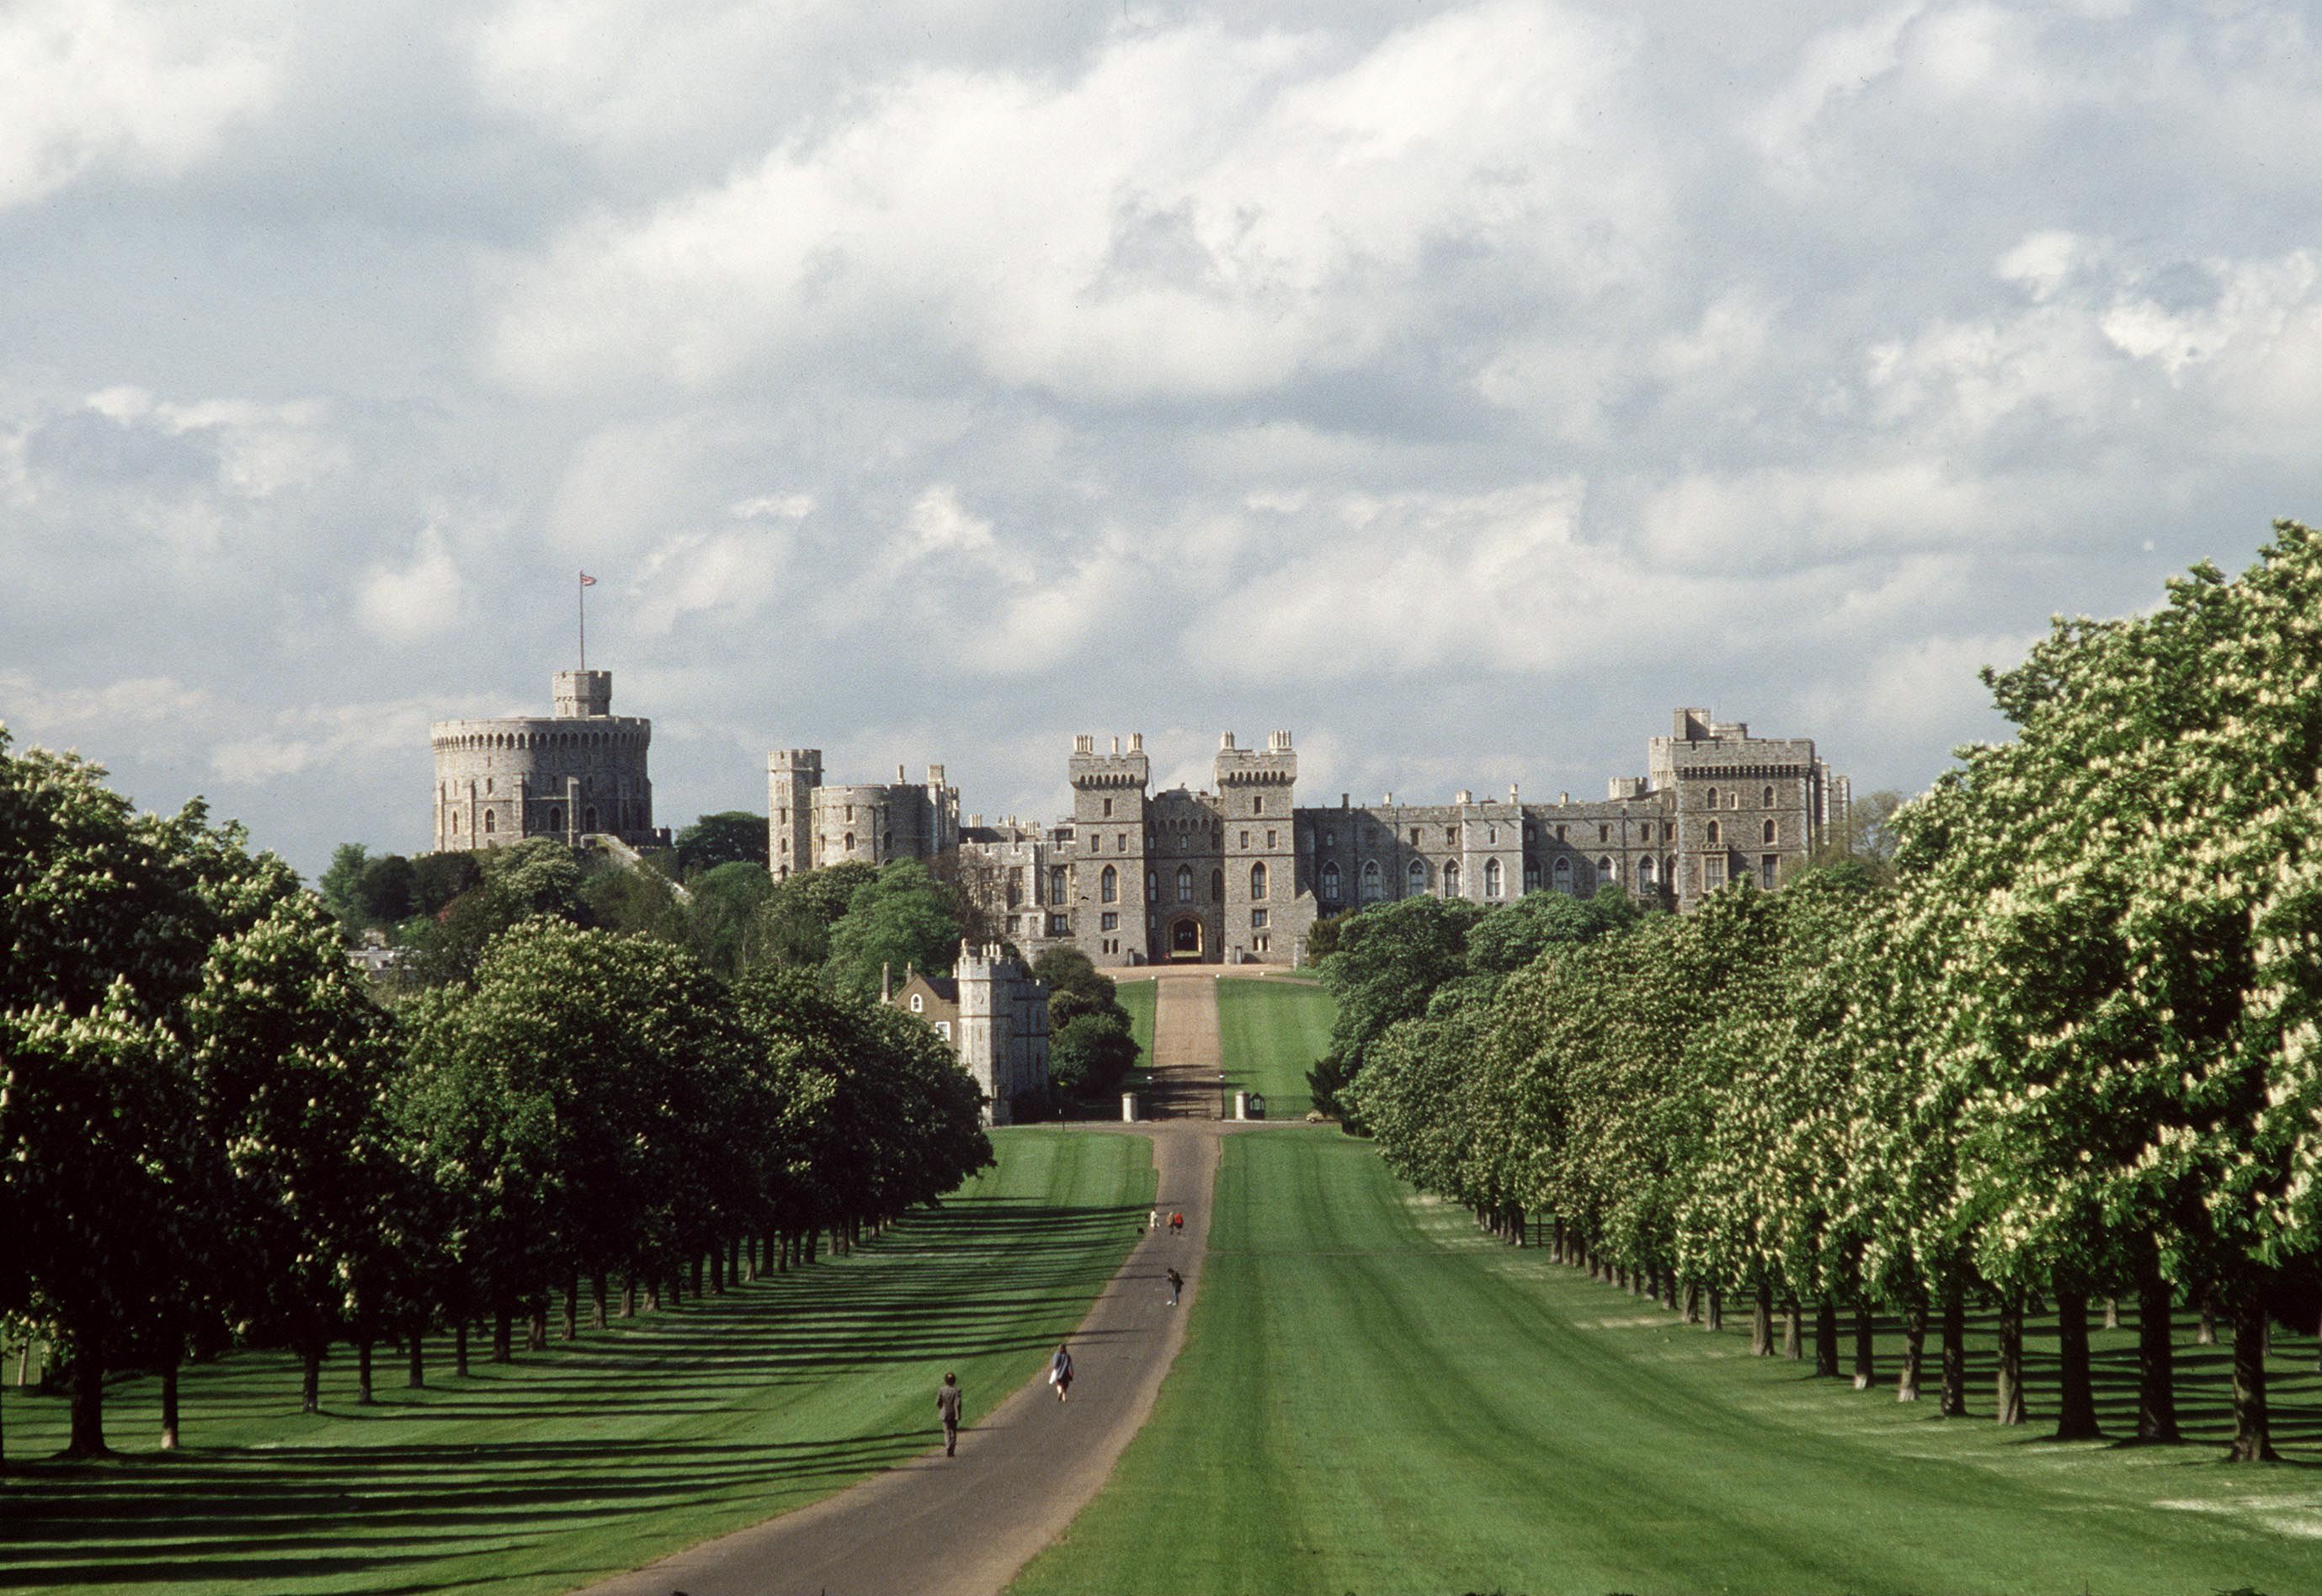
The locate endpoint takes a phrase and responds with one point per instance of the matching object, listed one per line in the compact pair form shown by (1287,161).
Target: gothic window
(1258,882)
(1057,883)
(1373,888)
(555,818)
(1563,873)
(1770,799)
(1713,798)
(1645,871)
(1532,875)
(1604,869)
(1152,886)
(1185,884)
(1450,878)
(1712,833)
(850,837)
(1770,831)
(1108,886)
(918,1004)
(1415,879)
(1492,878)
(1330,882)
(491,823)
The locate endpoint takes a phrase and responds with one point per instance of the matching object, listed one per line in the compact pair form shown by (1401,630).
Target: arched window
(1185,884)
(1258,882)
(455,822)
(1769,832)
(1056,883)
(1769,797)
(1713,798)
(1563,873)
(1450,878)
(1330,882)
(555,818)
(1152,886)
(1415,879)
(850,837)
(1712,833)
(1532,875)
(1645,871)
(1217,886)
(1374,887)
(589,823)
(1605,872)
(1493,879)
(919,1003)
(1108,886)
(491,823)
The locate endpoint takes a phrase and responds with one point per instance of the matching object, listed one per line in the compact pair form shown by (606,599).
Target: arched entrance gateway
(1185,939)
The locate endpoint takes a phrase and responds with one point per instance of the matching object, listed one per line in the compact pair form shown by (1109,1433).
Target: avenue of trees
(2067,1046)
(213,1133)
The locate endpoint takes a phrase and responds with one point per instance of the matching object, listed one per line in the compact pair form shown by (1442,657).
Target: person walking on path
(1177,1224)
(1154,1222)
(1060,1370)
(947,1405)
(1177,1285)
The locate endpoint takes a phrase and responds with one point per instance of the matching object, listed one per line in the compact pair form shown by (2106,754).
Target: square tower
(792,775)
(1110,903)
(1256,795)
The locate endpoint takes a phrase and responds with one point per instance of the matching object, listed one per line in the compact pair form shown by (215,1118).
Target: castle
(577,773)
(1240,873)
(995,1015)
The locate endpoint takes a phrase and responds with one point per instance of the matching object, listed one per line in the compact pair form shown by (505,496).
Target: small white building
(995,1015)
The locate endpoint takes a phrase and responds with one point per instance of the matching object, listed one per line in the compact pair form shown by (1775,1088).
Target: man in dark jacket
(947,1404)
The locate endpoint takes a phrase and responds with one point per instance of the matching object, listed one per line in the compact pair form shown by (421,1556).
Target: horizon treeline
(2067,1045)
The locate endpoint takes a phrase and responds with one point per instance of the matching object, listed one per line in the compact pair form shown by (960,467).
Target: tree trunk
(630,1296)
(2112,1313)
(2156,1355)
(600,1302)
(170,1400)
(1555,1242)
(1826,1341)
(2252,1428)
(503,1335)
(459,1347)
(696,1285)
(87,1438)
(1761,1324)
(572,1306)
(310,1381)
(754,1244)
(1865,1372)
(1914,1348)
(2010,1394)
(1793,1330)
(734,1262)
(1668,1289)
(717,1269)
(2076,1400)
(653,1294)
(1692,1302)
(535,1337)
(415,1350)
(362,1367)
(1954,1336)
(2206,1335)
(1716,1319)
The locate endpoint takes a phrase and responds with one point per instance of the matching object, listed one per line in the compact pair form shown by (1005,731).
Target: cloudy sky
(1460,384)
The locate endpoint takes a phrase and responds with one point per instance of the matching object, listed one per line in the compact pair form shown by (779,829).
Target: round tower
(582,772)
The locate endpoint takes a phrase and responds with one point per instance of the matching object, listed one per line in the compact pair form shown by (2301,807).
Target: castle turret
(579,772)
(1109,823)
(792,774)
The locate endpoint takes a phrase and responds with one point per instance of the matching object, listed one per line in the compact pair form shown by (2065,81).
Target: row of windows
(523,740)
(1108,887)
(1733,799)
(1769,833)
(553,821)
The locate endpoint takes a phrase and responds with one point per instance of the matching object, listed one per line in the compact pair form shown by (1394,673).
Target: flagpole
(581,598)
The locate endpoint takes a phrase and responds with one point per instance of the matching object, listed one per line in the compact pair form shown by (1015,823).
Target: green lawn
(1137,996)
(597,1456)
(1375,1398)
(1271,1031)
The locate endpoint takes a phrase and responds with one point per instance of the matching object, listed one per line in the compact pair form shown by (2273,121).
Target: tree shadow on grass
(979,1277)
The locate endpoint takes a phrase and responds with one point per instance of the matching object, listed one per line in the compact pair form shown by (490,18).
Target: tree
(730,836)
(724,915)
(1090,1053)
(900,919)
(1390,960)
(794,923)
(337,884)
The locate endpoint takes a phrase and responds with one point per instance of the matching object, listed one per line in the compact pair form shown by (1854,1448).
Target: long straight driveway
(964,1526)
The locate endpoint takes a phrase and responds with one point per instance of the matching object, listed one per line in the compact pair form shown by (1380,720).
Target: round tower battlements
(582,772)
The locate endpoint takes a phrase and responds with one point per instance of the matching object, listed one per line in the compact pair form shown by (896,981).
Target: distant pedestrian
(1177,1285)
(947,1404)
(1177,1224)
(1060,1371)
(1154,1222)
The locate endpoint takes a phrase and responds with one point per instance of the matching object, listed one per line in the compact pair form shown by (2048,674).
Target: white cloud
(1266,208)
(146,89)
(417,600)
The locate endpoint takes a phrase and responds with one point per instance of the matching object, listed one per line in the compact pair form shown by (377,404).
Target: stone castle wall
(579,772)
